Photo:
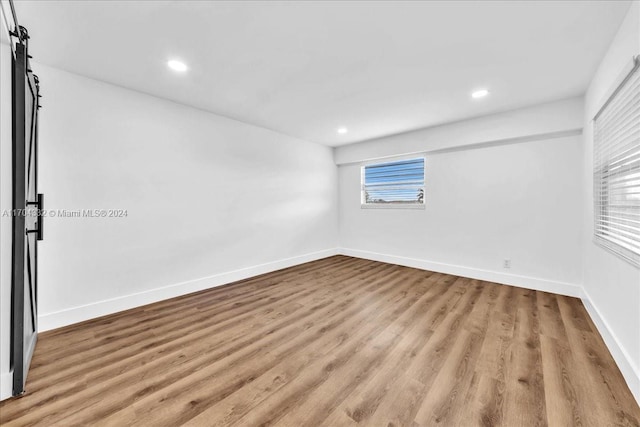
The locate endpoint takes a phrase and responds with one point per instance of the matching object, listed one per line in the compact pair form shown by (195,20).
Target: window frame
(416,205)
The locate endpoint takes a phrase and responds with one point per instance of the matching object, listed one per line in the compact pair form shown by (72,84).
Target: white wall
(554,118)
(209,199)
(612,285)
(516,201)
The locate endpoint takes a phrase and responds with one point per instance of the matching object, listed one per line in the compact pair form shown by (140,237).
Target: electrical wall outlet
(506,263)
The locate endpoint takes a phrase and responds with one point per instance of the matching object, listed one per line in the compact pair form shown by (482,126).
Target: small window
(617,172)
(398,184)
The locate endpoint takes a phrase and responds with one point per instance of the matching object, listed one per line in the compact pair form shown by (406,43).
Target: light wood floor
(336,342)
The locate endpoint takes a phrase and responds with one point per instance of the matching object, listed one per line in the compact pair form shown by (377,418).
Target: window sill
(392,206)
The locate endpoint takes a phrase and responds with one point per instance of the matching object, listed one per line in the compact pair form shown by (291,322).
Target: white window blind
(617,171)
(393,184)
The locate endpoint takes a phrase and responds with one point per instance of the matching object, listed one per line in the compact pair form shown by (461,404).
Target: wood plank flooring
(335,342)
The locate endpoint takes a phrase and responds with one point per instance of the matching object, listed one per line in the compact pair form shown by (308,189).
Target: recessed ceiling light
(480,93)
(176,65)
(343,130)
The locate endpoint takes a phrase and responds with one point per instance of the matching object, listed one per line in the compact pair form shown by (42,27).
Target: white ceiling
(307,68)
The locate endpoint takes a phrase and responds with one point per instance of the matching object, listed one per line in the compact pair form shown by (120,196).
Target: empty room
(319,213)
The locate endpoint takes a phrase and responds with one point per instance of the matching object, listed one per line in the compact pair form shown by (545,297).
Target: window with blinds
(617,171)
(393,184)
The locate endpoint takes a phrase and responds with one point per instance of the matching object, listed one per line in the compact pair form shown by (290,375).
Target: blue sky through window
(394,182)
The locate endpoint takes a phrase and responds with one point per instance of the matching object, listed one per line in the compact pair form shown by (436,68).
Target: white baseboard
(6,385)
(630,371)
(534,283)
(72,315)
